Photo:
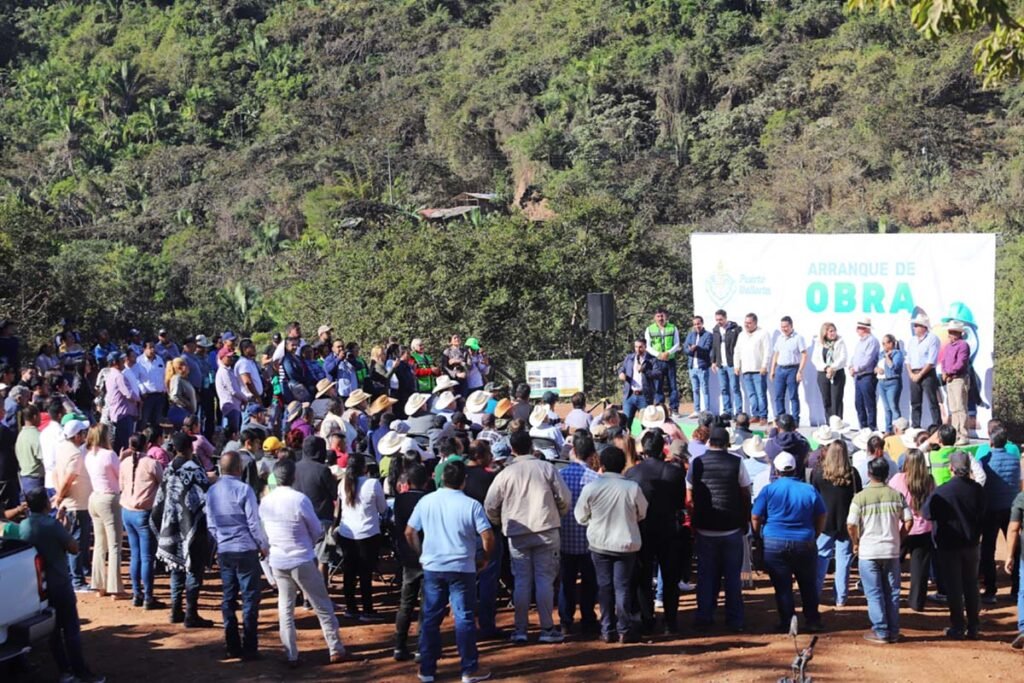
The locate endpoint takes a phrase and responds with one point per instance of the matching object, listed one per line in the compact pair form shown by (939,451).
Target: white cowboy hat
(390,443)
(444,400)
(864,321)
(955,326)
(754,447)
(416,403)
(477,401)
(652,416)
(444,382)
(909,436)
(836,424)
(356,397)
(861,438)
(202,340)
(323,386)
(539,415)
(824,435)
(921,319)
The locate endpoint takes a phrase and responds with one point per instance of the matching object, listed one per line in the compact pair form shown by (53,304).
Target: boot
(193,620)
(177,614)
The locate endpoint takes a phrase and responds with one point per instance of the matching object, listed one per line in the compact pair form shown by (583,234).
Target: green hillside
(201,164)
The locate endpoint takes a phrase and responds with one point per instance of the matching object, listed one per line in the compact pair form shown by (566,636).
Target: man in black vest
(718,492)
(664,486)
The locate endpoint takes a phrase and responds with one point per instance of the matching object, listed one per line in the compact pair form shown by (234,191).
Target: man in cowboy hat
(444,404)
(541,428)
(862,370)
(922,359)
(420,420)
(476,406)
(755,462)
(955,363)
(326,390)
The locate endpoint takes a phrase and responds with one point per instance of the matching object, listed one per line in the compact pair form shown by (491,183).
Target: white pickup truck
(25,614)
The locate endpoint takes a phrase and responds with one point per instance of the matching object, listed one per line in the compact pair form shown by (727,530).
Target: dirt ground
(129,644)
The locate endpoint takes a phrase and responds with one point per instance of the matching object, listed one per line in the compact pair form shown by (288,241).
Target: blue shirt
(574,535)
(450,521)
(789,349)
(923,352)
(789,507)
(894,371)
(865,355)
(233,516)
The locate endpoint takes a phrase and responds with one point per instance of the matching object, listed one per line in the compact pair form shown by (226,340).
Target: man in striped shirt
(879,518)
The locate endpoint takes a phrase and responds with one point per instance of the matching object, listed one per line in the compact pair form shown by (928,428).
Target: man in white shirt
(49,437)
(750,358)
(229,391)
(150,372)
(248,372)
(293,529)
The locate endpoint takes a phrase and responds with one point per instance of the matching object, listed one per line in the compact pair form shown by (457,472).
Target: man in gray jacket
(528,500)
(612,508)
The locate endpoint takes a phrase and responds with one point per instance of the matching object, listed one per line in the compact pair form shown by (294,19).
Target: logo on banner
(720,286)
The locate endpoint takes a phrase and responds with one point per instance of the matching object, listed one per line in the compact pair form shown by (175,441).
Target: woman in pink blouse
(103,467)
(916,484)
(140,480)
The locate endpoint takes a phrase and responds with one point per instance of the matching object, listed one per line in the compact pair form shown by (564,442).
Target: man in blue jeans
(638,373)
(452,524)
(233,516)
(723,347)
(662,339)
(718,492)
(697,348)
(862,369)
(788,359)
(879,520)
(790,514)
(1013,558)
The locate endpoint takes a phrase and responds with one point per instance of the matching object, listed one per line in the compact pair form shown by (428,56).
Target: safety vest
(939,461)
(662,340)
(424,384)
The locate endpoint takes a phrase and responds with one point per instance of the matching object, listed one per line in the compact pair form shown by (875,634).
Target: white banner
(562,376)
(838,278)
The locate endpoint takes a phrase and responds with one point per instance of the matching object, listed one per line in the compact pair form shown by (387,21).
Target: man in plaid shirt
(575,557)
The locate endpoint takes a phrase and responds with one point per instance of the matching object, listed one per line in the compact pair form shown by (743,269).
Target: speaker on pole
(600,312)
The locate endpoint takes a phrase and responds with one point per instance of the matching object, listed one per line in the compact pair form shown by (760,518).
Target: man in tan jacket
(528,500)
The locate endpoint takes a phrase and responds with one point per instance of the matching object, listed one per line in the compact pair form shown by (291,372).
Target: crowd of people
(282,468)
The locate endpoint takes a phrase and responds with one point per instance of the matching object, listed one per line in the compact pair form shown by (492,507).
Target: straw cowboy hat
(922,320)
(416,403)
(836,424)
(322,387)
(444,382)
(380,404)
(477,401)
(754,447)
(502,408)
(861,438)
(652,416)
(390,443)
(909,436)
(539,415)
(864,321)
(824,435)
(445,400)
(293,410)
(356,397)
(955,326)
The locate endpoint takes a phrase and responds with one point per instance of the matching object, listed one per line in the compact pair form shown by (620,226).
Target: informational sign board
(839,278)
(563,376)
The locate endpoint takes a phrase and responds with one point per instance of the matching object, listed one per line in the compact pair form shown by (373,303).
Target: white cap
(784,462)
(74,427)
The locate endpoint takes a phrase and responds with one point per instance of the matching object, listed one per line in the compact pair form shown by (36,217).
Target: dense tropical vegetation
(245,162)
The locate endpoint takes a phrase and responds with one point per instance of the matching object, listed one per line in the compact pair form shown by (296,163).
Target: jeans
(307,578)
(412,586)
(755,387)
(891,391)
(959,570)
(668,377)
(438,588)
(866,401)
(241,573)
(66,638)
(143,547)
(831,391)
(729,384)
(614,574)
(720,557)
(154,406)
(1020,600)
(881,580)
(784,560)
(81,531)
(925,391)
(631,405)
(123,429)
(699,384)
(359,561)
(657,552)
(105,511)
(29,484)
(487,590)
(187,582)
(784,386)
(829,547)
(585,594)
(920,548)
(535,568)
(231,421)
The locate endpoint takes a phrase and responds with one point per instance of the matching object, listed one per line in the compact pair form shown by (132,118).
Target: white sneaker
(476,676)
(658,604)
(693,416)
(425,678)
(685,587)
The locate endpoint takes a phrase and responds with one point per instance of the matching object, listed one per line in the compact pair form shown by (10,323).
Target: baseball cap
(224,351)
(501,450)
(228,336)
(162,333)
(114,357)
(473,343)
(70,417)
(254,409)
(323,328)
(784,462)
(272,443)
(74,427)
(201,340)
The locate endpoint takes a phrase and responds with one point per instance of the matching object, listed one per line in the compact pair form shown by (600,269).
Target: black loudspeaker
(600,312)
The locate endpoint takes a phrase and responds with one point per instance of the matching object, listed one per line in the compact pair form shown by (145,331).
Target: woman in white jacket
(831,375)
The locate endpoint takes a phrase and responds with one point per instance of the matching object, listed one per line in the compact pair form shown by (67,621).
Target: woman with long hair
(140,478)
(103,467)
(831,376)
(361,503)
(837,482)
(627,443)
(180,392)
(890,375)
(915,483)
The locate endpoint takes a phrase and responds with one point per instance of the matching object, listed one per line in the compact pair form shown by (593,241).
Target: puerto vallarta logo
(720,286)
